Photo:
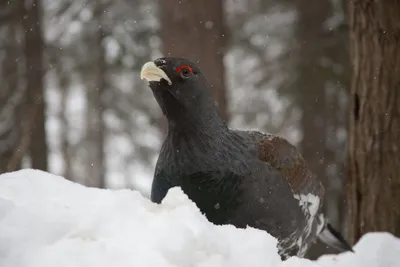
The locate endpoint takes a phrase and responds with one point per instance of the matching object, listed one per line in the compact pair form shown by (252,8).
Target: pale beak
(152,73)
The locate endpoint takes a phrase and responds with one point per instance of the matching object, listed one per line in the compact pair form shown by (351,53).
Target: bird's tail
(333,238)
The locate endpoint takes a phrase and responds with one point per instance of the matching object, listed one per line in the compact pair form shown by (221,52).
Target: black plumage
(244,178)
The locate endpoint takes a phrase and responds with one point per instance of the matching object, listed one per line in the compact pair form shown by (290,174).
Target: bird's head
(180,89)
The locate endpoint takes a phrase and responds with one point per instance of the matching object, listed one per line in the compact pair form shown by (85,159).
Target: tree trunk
(311,81)
(95,120)
(65,125)
(374,148)
(196,30)
(12,93)
(35,113)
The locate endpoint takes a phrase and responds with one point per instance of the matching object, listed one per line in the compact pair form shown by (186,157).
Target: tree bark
(196,30)
(374,145)
(35,113)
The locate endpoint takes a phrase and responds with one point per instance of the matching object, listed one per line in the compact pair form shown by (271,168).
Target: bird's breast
(217,193)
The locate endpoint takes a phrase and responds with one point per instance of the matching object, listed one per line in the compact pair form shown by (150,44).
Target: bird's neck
(200,122)
(197,133)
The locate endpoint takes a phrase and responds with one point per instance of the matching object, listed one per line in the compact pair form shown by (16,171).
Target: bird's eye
(184,71)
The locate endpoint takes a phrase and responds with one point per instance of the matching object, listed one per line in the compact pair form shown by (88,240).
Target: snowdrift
(47,221)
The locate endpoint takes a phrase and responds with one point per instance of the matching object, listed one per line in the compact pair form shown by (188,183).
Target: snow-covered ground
(47,221)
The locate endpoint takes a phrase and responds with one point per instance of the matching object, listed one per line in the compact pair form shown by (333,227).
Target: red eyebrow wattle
(184,67)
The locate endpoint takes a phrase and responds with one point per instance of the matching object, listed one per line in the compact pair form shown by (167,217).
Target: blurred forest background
(72,102)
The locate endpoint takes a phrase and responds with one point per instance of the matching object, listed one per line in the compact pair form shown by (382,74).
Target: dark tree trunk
(35,112)
(374,149)
(311,81)
(12,93)
(196,30)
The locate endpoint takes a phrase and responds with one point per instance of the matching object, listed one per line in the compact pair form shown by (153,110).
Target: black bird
(243,178)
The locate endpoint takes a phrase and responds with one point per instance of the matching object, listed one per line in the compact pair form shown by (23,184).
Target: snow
(47,221)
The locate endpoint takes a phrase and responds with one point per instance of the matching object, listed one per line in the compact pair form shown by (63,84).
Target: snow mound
(47,221)
(373,249)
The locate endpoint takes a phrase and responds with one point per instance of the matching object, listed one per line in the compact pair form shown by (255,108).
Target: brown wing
(285,157)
